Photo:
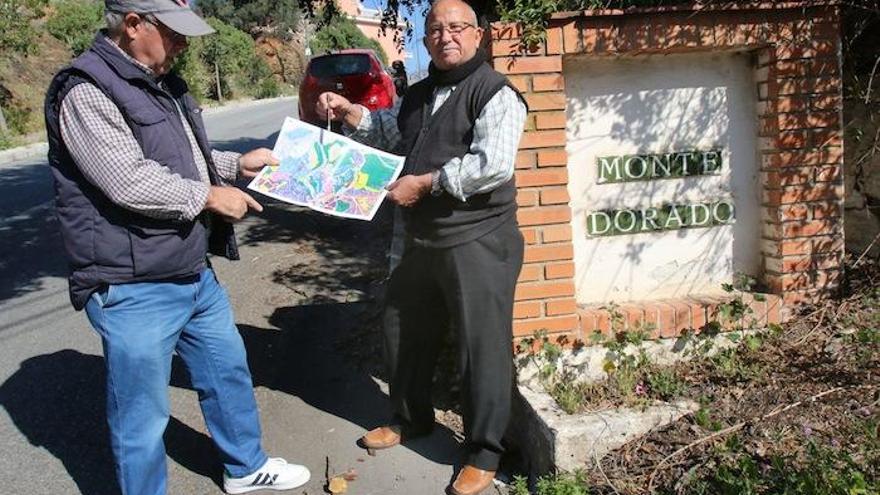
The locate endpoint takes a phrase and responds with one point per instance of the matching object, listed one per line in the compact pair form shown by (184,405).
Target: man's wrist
(436,184)
(353,116)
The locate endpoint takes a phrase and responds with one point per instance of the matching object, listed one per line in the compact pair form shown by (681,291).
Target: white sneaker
(276,474)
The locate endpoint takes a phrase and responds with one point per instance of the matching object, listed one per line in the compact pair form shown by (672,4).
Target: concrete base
(553,440)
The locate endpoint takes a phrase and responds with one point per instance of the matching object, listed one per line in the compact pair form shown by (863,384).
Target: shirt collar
(131,59)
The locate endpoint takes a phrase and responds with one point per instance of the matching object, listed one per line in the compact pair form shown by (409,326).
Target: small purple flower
(641,389)
(865,411)
(835,443)
(807,431)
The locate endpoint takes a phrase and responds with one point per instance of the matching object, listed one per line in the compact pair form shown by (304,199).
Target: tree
(225,64)
(341,32)
(74,22)
(280,18)
(227,53)
(190,65)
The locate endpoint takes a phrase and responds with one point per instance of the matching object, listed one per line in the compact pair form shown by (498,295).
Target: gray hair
(114,22)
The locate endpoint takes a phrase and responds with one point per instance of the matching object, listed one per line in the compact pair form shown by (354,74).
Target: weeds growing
(757,431)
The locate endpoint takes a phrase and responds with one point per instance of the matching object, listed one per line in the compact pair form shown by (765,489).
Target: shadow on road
(30,245)
(326,348)
(57,401)
(304,359)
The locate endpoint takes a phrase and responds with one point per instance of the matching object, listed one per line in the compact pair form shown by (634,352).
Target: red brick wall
(798,93)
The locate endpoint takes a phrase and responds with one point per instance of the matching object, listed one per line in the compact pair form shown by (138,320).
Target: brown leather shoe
(383,437)
(471,481)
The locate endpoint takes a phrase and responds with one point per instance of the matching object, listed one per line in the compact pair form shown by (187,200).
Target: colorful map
(327,172)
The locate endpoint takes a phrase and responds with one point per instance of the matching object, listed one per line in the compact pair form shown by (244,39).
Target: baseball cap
(174,14)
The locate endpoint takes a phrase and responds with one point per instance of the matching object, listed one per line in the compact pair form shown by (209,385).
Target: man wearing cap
(141,199)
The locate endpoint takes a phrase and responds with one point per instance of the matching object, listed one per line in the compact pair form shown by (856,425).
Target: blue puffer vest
(107,244)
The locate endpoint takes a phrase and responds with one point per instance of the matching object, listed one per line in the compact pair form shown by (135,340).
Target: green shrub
(664,383)
(17,34)
(553,484)
(572,394)
(280,18)
(227,53)
(340,33)
(260,81)
(18,118)
(705,419)
(5,141)
(735,365)
(190,66)
(823,471)
(268,88)
(74,22)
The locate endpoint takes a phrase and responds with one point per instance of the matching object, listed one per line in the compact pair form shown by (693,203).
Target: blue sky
(414,45)
(419,60)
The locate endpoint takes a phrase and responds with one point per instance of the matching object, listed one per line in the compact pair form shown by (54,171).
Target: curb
(40,149)
(234,105)
(23,153)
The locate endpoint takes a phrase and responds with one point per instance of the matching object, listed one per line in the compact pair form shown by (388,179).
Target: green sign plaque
(660,218)
(630,168)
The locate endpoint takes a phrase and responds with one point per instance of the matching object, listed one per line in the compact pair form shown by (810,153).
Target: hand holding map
(327,172)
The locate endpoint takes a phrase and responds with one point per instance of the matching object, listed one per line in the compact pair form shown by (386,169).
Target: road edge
(35,150)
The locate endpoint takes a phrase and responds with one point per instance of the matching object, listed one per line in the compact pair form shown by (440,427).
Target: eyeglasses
(436,32)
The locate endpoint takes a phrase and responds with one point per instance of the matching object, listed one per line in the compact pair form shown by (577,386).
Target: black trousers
(469,288)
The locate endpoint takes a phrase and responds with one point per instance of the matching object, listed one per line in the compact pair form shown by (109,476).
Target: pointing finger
(252,203)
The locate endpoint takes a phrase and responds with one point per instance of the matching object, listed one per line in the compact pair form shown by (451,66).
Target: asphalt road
(301,287)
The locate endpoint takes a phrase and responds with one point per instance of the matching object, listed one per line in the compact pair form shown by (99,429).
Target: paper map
(327,172)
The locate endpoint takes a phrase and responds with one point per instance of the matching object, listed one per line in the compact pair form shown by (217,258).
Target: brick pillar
(800,105)
(545,292)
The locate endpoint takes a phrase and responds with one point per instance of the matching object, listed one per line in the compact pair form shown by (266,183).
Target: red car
(356,74)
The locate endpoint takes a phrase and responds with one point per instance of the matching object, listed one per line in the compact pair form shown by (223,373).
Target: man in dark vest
(141,198)
(459,129)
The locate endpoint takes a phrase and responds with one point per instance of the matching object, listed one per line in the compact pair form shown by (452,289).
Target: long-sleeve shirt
(106,151)
(489,162)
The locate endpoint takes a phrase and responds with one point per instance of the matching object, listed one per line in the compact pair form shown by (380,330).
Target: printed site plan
(327,172)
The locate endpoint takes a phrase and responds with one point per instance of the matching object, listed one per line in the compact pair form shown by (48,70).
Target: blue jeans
(141,326)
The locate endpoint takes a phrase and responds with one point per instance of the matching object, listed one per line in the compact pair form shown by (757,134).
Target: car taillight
(378,97)
(364,87)
(375,96)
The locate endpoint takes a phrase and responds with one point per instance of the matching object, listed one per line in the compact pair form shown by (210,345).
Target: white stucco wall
(657,104)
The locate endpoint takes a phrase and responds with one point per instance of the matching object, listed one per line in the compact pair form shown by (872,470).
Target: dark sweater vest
(105,243)
(429,141)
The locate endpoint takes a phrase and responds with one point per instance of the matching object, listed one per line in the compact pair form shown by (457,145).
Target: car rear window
(339,65)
